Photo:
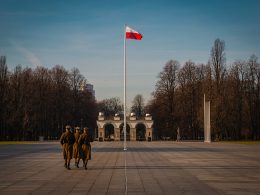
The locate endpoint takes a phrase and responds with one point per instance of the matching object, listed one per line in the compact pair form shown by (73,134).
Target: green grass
(242,142)
(16,142)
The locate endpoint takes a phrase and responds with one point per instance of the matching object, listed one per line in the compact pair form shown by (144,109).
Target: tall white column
(207,131)
(124,88)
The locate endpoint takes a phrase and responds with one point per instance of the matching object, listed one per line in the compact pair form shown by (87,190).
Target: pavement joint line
(125,151)
(47,181)
(152,174)
(101,169)
(18,181)
(206,186)
(56,178)
(138,170)
(112,172)
(179,168)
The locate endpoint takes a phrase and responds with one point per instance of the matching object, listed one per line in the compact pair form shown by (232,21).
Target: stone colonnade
(131,121)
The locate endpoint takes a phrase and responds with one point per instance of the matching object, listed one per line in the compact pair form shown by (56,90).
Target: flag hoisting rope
(129,33)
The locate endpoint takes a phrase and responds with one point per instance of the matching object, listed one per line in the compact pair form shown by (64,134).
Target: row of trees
(113,106)
(40,102)
(234,93)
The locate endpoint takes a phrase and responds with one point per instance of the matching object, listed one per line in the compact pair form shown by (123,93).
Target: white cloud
(30,56)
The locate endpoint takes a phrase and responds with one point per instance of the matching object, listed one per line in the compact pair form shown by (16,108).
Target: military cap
(67,127)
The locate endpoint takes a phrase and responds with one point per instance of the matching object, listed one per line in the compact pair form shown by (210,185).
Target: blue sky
(89,35)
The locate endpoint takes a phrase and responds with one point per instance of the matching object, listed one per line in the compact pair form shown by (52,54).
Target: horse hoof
(68,168)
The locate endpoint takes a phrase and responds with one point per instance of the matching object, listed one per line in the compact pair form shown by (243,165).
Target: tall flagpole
(125,88)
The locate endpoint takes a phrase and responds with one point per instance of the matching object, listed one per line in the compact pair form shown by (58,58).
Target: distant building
(136,129)
(89,88)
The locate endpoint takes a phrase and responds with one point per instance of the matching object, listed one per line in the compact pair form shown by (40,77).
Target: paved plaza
(146,168)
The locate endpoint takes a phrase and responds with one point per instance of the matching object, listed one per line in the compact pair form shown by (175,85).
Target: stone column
(149,134)
(133,134)
(101,134)
(207,133)
(117,134)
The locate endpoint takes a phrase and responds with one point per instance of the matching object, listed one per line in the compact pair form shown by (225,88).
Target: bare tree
(3,94)
(165,93)
(138,105)
(60,97)
(218,61)
(19,102)
(189,97)
(253,95)
(236,106)
(219,98)
(76,82)
(40,101)
(110,106)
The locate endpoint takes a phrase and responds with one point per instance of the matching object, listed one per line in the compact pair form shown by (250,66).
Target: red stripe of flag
(132,34)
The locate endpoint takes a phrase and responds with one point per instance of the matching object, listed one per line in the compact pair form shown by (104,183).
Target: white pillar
(124,128)
(207,132)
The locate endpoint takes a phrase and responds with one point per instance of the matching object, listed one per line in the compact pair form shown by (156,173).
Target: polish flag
(132,34)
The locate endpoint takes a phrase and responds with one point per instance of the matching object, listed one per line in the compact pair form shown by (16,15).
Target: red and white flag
(132,34)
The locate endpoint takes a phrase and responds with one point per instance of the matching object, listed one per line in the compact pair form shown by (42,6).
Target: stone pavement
(151,168)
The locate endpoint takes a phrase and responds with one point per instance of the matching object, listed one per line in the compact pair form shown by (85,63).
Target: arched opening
(122,132)
(140,132)
(109,132)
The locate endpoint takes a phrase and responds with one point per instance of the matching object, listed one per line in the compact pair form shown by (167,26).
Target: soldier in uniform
(84,140)
(76,147)
(67,140)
